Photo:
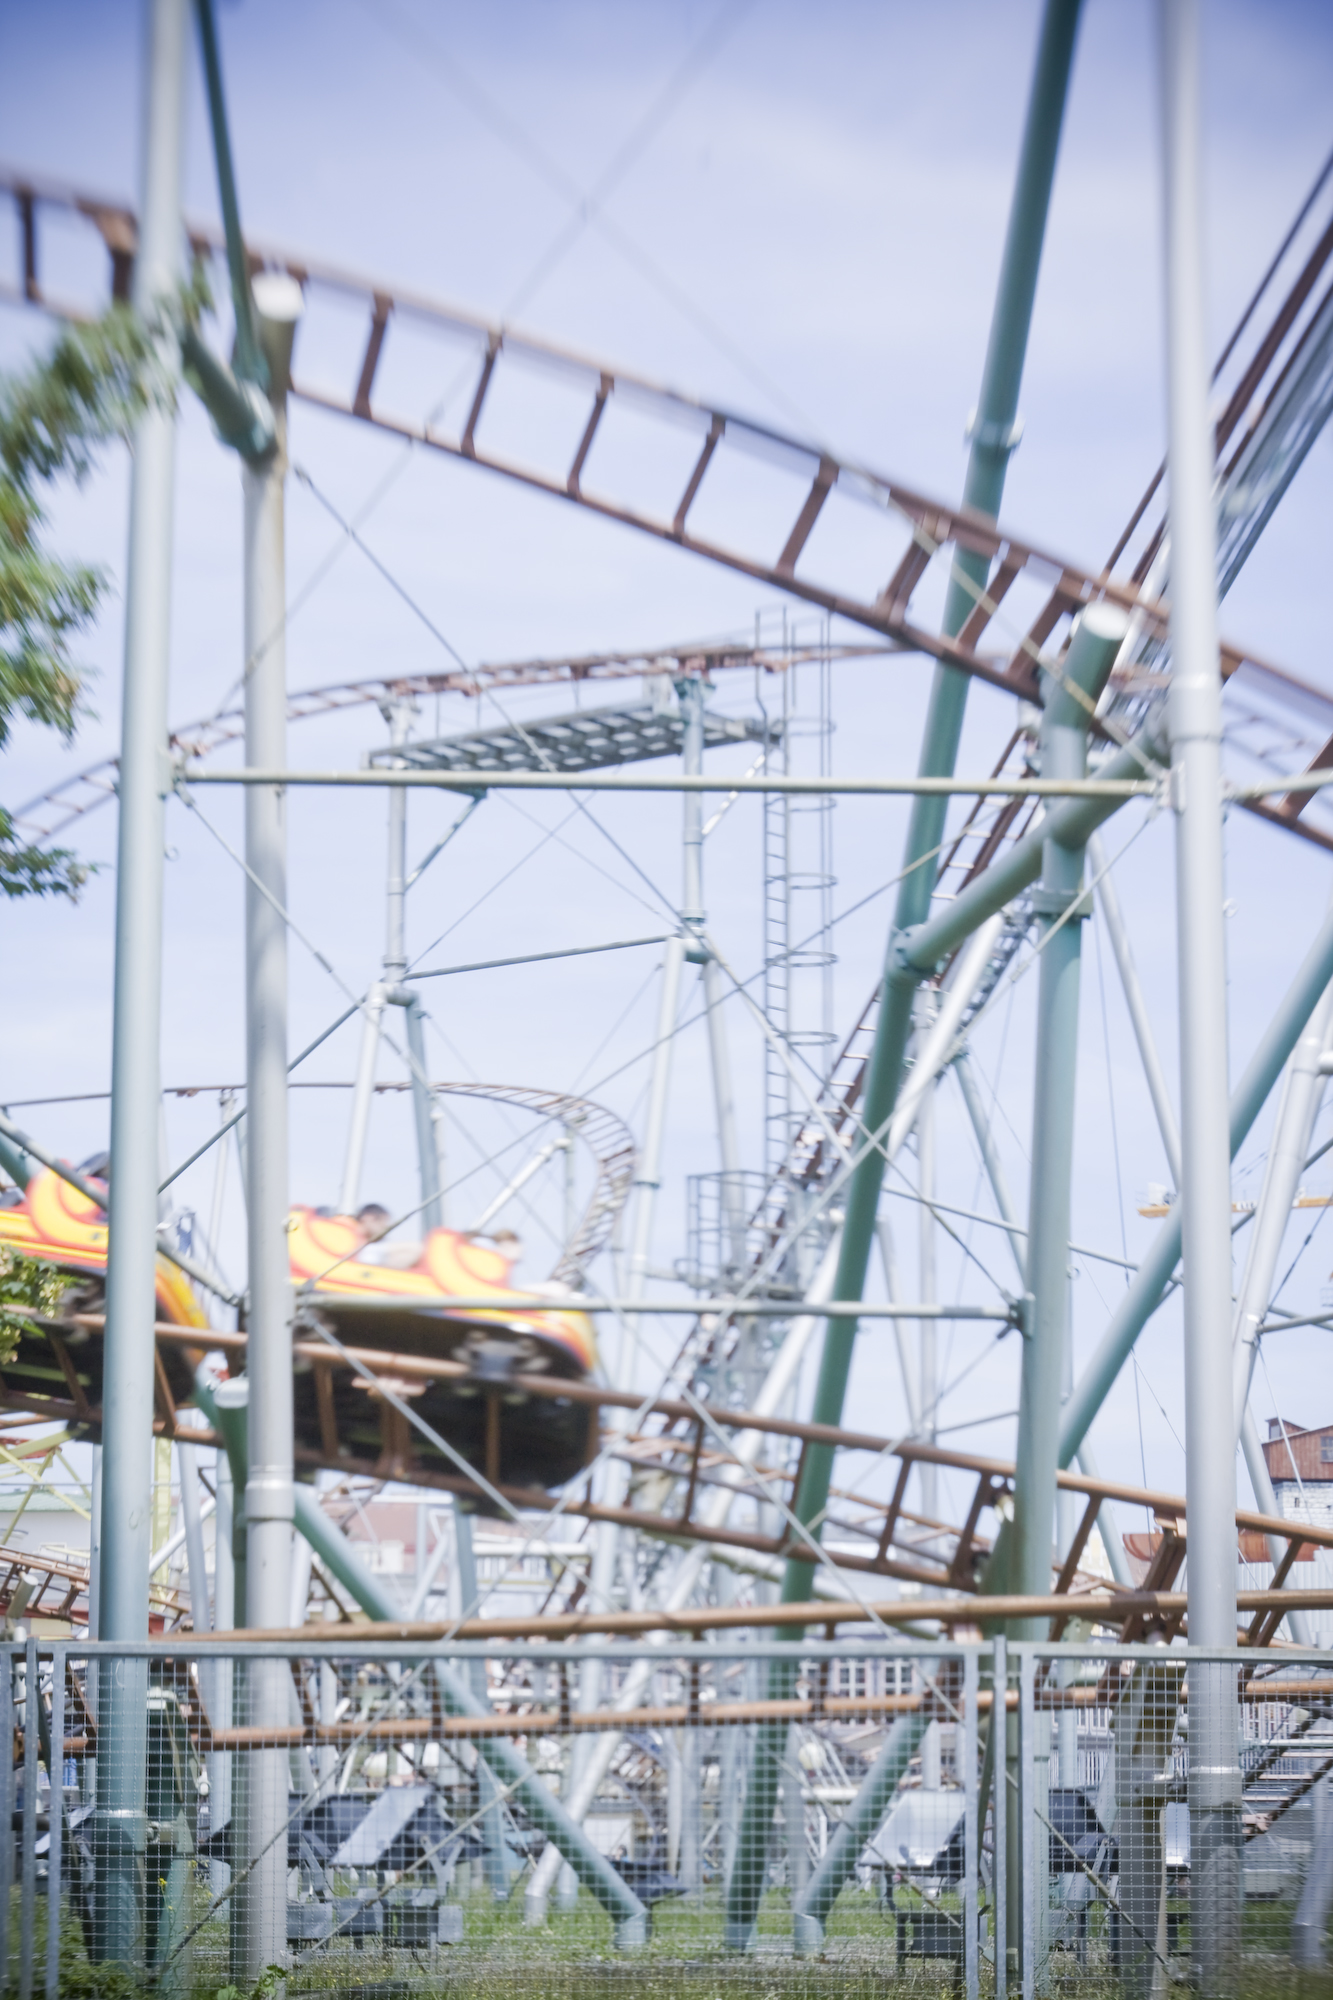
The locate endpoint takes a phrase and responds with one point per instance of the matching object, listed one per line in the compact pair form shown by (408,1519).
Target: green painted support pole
(1145,1294)
(15,1163)
(1060,908)
(251,365)
(994,433)
(860,1823)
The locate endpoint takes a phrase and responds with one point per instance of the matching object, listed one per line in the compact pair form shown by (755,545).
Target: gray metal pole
(119,1829)
(1137,1005)
(690,694)
(55,1771)
(1288,1147)
(927,1358)
(990,1159)
(192,1521)
(496,1861)
(269,1413)
(28,1837)
(1195,721)
(424,1117)
(1059,905)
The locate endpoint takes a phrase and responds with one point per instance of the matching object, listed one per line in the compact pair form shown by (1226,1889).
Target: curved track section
(607,1139)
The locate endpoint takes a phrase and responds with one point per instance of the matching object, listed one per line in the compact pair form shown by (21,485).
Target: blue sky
(822,204)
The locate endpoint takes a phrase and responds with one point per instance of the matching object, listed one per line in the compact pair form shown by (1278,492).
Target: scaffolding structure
(1041,1742)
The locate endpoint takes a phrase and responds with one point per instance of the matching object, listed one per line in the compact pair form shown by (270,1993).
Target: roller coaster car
(56,1224)
(371,1299)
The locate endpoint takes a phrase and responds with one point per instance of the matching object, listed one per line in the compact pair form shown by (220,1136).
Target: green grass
(572,1957)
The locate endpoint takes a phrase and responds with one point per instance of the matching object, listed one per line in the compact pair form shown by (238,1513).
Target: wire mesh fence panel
(767,1818)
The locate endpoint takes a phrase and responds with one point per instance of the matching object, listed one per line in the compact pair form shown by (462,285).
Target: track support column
(1195,721)
(120,1828)
(269,1413)
(1060,907)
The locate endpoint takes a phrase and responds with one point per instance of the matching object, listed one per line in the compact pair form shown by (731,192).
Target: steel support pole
(1288,1148)
(690,694)
(495,1862)
(1195,721)
(1137,1005)
(990,1159)
(363,1091)
(269,1413)
(424,1118)
(119,1829)
(994,435)
(927,1350)
(1060,908)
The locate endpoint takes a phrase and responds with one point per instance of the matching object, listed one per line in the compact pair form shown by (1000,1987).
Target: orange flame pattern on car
(326,1255)
(57,1224)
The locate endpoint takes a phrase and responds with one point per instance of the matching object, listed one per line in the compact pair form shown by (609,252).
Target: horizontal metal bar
(741,1308)
(362,1643)
(559,781)
(1103,1608)
(1309,781)
(535,957)
(352,1643)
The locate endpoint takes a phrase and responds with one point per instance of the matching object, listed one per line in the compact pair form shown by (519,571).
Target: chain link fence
(685,1819)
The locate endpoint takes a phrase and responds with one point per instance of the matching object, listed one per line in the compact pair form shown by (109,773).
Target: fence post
(55,1845)
(1027,1788)
(31,1746)
(6,1805)
(971,1971)
(999,1723)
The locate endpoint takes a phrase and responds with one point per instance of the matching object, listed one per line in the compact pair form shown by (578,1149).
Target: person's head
(373,1221)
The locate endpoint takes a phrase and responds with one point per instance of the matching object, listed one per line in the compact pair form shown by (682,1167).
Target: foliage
(24,1282)
(96,381)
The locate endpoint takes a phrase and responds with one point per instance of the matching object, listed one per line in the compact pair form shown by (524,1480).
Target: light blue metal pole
(119,1828)
(1195,714)
(994,434)
(269,1411)
(495,1862)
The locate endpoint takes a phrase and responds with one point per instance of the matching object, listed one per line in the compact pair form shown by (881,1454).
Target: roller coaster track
(51,811)
(602,426)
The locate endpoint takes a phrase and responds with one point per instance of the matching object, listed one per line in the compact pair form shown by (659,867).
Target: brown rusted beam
(379,322)
(895,1508)
(604,388)
(1075,1556)
(70,1374)
(994,594)
(467,444)
(695,481)
(824,481)
(980,1498)
(1098,1607)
